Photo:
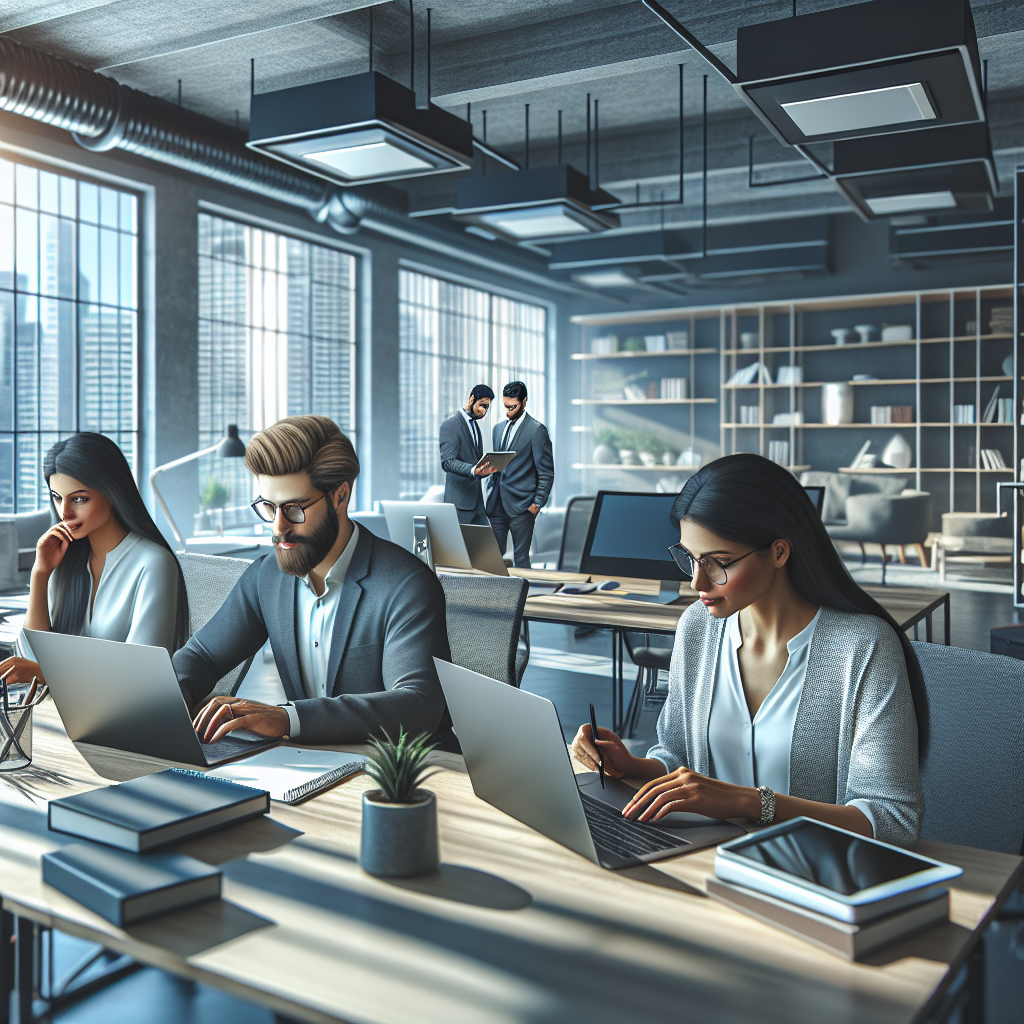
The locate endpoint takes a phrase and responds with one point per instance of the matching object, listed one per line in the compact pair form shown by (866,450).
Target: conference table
(634,608)
(512,929)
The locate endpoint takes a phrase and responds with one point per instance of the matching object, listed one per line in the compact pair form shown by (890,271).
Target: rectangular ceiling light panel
(540,222)
(855,111)
(915,202)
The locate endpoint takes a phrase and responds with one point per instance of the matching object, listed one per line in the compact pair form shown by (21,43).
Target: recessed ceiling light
(914,202)
(358,130)
(605,279)
(855,111)
(546,202)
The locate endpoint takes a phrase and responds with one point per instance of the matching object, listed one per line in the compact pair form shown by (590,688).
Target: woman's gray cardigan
(855,736)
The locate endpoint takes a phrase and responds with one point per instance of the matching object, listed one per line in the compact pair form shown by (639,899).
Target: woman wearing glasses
(103,570)
(791,691)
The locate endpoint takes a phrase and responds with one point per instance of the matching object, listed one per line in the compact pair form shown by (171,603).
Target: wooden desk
(513,929)
(909,606)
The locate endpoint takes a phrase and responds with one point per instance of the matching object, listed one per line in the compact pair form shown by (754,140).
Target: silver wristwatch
(767,805)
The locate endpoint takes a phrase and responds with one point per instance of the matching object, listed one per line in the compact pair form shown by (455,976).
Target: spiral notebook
(291,774)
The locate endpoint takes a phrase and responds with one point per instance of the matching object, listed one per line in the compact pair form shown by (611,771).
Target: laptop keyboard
(229,747)
(623,836)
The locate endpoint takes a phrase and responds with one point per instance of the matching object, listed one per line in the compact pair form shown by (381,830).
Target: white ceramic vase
(897,453)
(604,455)
(837,403)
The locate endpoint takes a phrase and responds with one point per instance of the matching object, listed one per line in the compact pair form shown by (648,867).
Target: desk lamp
(230,447)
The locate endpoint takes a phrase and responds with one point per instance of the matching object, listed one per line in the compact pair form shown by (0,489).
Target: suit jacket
(529,476)
(459,454)
(389,625)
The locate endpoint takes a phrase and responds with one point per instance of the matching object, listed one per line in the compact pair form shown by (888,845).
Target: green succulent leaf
(398,767)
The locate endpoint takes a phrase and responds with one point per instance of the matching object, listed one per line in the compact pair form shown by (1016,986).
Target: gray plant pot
(398,840)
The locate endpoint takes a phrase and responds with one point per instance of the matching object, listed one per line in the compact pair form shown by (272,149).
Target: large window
(453,337)
(276,338)
(68,321)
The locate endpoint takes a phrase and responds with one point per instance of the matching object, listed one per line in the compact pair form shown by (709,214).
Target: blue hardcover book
(125,887)
(152,811)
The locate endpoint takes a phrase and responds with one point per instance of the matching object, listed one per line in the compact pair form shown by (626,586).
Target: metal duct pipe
(102,114)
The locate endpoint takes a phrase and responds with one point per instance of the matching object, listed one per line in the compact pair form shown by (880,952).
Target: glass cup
(15,738)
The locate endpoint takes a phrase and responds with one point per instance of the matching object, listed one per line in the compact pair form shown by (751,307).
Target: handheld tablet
(830,870)
(499,460)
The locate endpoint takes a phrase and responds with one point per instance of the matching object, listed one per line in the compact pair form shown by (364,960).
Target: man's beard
(309,551)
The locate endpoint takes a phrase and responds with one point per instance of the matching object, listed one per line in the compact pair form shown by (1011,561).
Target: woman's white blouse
(756,752)
(137,597)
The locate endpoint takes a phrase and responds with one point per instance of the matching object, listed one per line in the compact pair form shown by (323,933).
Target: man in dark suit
(519,492)
(461,449)
(354,621)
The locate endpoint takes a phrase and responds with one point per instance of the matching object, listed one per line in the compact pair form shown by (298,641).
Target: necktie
(504,439)
(476,437)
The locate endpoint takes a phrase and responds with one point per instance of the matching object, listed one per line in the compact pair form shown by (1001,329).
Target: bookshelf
(953,352)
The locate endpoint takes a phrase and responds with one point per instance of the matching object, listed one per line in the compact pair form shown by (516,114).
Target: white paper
(283,768)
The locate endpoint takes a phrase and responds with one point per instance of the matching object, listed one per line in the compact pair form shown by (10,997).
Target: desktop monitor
(446,542)
(630,533)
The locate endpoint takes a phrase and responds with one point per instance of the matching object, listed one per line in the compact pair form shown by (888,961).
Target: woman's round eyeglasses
(293,511)
(713,568)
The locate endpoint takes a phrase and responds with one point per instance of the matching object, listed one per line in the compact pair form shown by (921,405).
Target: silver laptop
(126,696)
(483,550)
(518,761)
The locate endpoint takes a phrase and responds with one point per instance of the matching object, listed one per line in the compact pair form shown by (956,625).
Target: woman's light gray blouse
(855,736)
(137,597)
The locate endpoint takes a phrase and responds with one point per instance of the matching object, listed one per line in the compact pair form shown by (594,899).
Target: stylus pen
(593,733)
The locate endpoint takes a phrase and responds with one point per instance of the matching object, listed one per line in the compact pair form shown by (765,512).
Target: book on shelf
(126,887)
(151,811)
(842,938)
(789,375)
(655,342)
(745,375)
(778,451)
(989,415)
(788,419)
(750,414)
(963,413)
(1001,320)
(1004,412)
(882,414)
(605,345)
(678,340)
(992,458)
(674,387)
(634,393)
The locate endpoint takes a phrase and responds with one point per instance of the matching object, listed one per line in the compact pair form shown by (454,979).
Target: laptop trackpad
(617,794)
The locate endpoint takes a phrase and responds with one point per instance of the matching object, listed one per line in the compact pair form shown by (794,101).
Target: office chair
(646,693)
(578,510)
(208,581)
(485,616)
(973,770)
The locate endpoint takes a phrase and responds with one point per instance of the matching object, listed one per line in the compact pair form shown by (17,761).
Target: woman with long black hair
(791,691)
(103,569)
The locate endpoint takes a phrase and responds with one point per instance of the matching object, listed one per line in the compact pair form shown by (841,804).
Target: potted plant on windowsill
(399,833)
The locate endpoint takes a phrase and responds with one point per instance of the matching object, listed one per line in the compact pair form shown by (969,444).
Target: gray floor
(154,997)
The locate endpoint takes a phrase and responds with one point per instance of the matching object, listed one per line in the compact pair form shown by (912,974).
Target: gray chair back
(973,771)
(578,510)
(485,614)
(208,581)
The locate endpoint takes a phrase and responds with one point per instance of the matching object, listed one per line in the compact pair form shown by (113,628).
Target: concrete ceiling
(498,55)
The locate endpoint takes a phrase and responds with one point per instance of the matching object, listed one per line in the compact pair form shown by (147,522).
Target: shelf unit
(954,356)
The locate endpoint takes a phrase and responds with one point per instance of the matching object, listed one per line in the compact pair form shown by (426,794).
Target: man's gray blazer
(459,454)
(528,479)
(389,625)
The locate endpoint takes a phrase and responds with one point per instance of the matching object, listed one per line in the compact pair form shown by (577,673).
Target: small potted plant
(605,453)
(399,833)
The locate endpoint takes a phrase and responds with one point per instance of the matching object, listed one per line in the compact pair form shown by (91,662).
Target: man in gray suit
(519,492)
(461,450)
(354,621)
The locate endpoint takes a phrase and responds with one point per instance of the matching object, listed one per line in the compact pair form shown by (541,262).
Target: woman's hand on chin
(51,548)
(686,790)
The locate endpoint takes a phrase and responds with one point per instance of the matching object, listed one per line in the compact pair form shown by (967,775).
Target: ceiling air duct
(527,206)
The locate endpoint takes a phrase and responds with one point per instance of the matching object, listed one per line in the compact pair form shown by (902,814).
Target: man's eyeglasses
(714,569)
(293,511)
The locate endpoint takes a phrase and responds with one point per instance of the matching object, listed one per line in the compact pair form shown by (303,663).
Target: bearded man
(354,621)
